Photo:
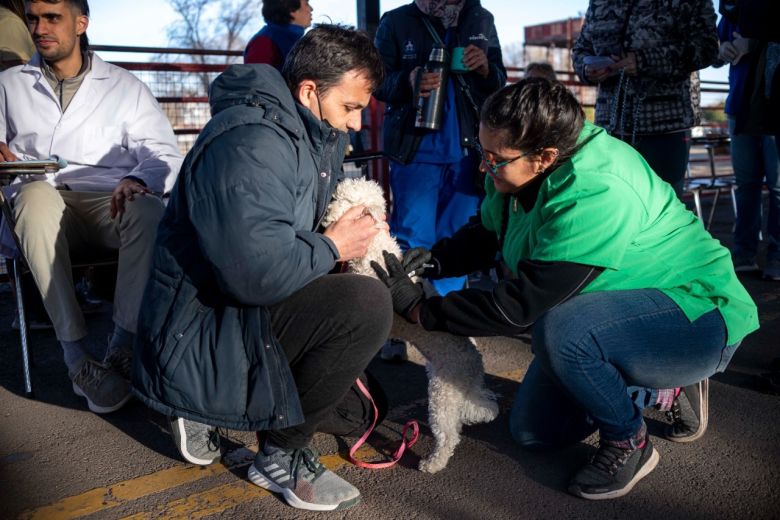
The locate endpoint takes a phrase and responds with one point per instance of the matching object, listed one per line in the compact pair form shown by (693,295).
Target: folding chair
(714,183)
(9,171)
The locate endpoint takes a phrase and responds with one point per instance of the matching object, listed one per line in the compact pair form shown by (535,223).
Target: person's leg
(667,155)
(746,158)
(50,225)
(458,201)
(415,188)
(329,331)
(415,195)
(48,228)
(132,233)
(772,173)
(544,416)
(597,344)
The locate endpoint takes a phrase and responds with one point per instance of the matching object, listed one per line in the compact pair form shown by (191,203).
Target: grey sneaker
(104,389)
(613,471)
(394,350)
(689,413)
(745,264)
(120,360)
(772,269)
(301,479)
(198,443)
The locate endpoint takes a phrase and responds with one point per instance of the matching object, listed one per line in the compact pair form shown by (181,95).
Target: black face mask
(729,9)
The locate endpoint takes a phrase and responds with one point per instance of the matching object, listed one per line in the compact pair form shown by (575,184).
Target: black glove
(419,261)
(406,294)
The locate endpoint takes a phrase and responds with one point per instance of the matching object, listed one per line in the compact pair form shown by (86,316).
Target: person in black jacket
(433,174)
(242,325)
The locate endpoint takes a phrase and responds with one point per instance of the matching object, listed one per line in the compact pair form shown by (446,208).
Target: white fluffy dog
(456,391)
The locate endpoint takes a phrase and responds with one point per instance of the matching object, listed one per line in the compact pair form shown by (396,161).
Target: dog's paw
(433,464)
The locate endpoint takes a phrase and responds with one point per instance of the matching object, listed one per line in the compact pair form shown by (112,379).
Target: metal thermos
(429,109)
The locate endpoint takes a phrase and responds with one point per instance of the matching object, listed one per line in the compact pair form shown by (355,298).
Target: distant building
(552,42)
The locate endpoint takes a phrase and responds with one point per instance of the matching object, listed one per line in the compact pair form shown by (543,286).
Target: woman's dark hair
(82,6)
(278,11)
(327,52)
(534,114)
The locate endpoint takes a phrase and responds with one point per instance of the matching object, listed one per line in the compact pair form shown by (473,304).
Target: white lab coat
(112,128)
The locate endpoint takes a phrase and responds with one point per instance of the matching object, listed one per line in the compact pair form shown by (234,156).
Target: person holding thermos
(434,174)
(432,167)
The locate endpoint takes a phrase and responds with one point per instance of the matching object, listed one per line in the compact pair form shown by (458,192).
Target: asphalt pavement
(57,460)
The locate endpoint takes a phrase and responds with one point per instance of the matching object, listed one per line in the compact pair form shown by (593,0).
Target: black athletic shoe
(613,471)
(689,413)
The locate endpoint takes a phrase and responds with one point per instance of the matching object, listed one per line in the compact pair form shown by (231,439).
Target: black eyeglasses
(495,166)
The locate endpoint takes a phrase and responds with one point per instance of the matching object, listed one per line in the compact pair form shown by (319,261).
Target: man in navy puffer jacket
(242,325)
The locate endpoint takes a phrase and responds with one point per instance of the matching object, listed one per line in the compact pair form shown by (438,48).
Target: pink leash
(401,449)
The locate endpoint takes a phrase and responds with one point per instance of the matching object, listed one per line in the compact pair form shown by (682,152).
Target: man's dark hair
(278,11)
(534,114)
(82,6)
(327,52)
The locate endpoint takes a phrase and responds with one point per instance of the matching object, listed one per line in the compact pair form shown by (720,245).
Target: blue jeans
(596,350)
(431,202)
(755,160)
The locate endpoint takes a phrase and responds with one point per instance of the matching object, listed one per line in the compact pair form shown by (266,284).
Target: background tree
(213,25)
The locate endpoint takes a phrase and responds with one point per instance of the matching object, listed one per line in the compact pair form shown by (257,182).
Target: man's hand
(476,60)
(428,81)
(353,232)
(736,49)
(127,189)
(6,154)
(406,294)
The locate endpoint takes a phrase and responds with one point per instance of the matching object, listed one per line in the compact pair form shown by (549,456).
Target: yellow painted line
(515,375)
(227,496)
(209,502)
(103,498)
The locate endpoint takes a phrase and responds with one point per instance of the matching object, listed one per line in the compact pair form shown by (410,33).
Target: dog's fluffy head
(361,192)
(355,192)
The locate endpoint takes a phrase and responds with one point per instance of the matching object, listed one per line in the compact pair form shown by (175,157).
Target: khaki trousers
(53,223)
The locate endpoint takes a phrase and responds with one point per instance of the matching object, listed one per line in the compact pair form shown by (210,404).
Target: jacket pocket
(180,334)
(159,297)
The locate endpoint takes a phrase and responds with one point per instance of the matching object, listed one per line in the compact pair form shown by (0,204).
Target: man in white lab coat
(121,152)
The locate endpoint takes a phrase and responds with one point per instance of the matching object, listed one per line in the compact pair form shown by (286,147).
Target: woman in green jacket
(626,291)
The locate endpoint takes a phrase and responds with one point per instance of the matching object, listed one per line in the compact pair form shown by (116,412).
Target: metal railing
(181,87)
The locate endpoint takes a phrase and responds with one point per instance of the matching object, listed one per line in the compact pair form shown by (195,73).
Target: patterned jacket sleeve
(583,47)
(696,49)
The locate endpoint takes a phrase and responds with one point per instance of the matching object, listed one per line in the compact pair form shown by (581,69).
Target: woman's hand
(406,294)
(627,63)
(418,261)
